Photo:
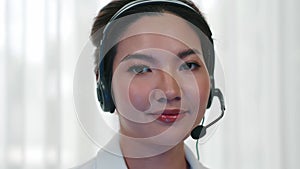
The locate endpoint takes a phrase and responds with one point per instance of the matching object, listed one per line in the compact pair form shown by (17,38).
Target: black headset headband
(141,2)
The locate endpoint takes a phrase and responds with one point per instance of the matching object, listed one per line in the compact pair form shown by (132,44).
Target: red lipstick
(170,115)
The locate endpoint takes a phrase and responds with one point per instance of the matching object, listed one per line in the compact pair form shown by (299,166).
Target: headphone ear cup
(104,98)
(210,99)
(99,94)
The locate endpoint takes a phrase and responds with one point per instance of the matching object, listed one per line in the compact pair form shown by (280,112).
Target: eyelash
(195,64)
(141,68)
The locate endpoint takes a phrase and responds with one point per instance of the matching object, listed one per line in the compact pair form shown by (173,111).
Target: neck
(146,155)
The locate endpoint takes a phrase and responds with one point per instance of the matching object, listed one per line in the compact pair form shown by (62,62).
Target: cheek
(131,94)
(198,94)
(139,95)
(197,88)
(204,90)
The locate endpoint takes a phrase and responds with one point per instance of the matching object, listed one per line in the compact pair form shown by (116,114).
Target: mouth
(170,115)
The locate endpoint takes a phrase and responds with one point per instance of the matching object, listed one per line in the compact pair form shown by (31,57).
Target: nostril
(163,97)
(177,98)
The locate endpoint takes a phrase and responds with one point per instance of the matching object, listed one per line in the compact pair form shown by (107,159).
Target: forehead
(165,32)
(165,24)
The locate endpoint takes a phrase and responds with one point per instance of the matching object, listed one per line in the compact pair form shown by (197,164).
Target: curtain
(256,44)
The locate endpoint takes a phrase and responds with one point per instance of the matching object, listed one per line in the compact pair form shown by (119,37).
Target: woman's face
(160,82)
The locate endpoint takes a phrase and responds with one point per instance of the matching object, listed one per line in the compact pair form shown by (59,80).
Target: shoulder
(110,156)
(104,160)
(91,164)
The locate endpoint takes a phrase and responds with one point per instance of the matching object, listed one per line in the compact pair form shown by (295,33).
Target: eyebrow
(139,56)
(188,52)
(149,58)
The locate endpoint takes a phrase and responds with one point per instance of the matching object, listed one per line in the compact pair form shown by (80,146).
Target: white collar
(105,159)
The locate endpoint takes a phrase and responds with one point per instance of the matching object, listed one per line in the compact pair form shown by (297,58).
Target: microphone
(200,130)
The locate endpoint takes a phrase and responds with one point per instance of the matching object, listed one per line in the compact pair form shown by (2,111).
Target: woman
(154,68)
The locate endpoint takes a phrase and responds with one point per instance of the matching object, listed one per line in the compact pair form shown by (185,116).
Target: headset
(103,86)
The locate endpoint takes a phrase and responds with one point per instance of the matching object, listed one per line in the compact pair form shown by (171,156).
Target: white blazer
(108,160)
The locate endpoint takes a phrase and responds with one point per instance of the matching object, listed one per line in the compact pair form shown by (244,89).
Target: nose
(169,87)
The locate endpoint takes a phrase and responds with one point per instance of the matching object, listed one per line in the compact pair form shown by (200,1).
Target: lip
(170,115)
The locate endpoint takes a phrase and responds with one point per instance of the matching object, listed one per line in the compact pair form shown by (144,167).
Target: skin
(163,82)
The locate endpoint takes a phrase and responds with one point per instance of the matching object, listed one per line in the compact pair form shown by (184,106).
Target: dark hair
(106,13)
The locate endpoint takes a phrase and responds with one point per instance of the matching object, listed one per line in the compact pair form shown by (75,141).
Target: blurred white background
(257,42)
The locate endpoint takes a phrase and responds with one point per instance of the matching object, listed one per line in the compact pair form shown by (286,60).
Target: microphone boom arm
(217,92)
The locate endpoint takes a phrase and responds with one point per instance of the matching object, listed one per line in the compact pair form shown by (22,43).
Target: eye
(139,69)
(189,66)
